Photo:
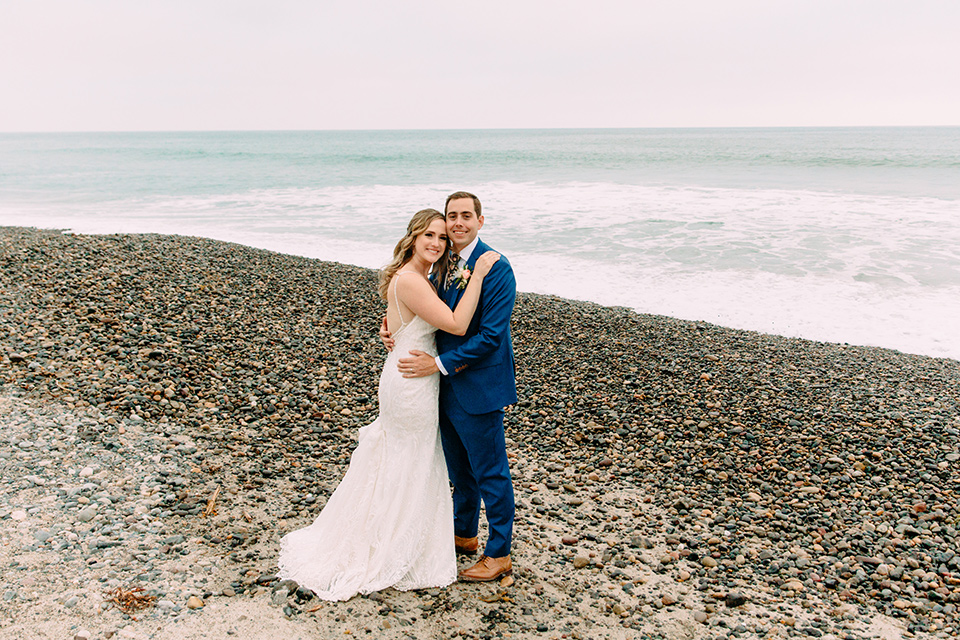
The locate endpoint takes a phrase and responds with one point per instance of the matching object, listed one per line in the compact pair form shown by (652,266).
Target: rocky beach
(171,406)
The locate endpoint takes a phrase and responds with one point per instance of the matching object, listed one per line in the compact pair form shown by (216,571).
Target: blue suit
(479,384)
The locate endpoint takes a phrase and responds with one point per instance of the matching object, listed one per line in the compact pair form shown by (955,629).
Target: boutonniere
(457,273)
(461,275)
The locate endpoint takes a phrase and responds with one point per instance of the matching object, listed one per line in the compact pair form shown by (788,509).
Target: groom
(476,383)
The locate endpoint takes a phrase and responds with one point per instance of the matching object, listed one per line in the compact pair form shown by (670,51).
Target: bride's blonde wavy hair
(403,252)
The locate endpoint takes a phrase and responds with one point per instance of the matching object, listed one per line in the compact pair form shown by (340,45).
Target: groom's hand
(421,364)
(385,336)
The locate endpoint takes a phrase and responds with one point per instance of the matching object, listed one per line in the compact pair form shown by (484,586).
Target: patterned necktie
(453,266)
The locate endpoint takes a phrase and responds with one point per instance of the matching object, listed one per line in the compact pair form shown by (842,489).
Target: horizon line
(460,129)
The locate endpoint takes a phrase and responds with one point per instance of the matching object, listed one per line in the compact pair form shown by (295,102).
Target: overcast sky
(352,64)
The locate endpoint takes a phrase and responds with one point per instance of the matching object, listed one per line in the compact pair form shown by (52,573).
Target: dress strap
(396,298)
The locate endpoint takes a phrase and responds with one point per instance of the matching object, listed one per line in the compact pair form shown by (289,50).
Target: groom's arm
(496,305)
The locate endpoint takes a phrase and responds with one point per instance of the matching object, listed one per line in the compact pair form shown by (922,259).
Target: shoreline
(638,311)
(664,469)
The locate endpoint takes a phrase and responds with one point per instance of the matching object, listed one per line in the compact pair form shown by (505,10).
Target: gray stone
(735,599)
(279,597)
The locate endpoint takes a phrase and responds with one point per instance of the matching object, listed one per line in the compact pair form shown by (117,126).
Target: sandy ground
(44,583)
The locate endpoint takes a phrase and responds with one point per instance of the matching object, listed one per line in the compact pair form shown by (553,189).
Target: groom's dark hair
(463,194)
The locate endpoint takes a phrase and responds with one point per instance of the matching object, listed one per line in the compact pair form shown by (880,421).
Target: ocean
(847,235)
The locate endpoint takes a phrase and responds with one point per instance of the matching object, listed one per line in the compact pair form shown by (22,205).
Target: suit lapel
(450,296)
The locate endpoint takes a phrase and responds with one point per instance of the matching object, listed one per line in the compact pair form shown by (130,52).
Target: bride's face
(431,244)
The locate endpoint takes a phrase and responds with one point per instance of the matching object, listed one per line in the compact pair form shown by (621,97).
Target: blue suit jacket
(480,364)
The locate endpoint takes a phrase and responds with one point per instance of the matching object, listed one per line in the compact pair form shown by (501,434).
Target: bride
(389,523)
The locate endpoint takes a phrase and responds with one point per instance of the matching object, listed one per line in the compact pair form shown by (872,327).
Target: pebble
(193,602)
(735,599)
(87,514)
(744,460)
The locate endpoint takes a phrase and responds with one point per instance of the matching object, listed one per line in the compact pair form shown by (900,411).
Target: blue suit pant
(476,455)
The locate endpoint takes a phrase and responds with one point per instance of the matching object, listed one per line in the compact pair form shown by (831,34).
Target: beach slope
(170,406)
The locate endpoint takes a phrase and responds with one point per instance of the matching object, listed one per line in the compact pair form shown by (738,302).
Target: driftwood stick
(212,503)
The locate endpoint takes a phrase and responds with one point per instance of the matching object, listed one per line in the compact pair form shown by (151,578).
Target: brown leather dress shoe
(466,546)
(487,569)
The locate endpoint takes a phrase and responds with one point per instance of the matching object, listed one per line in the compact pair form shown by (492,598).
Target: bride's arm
(419,296)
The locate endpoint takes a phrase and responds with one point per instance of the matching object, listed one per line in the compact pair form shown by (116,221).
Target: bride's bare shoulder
(409,283)
(397,278)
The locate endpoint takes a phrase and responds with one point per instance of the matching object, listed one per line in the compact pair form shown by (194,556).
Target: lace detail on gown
(389,523)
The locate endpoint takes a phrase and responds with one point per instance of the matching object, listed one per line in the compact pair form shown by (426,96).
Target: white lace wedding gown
(389,523)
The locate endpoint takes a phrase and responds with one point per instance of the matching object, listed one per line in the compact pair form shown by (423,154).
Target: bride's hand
(485,263)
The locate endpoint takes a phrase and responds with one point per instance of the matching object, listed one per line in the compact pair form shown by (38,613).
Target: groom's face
(463,223)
